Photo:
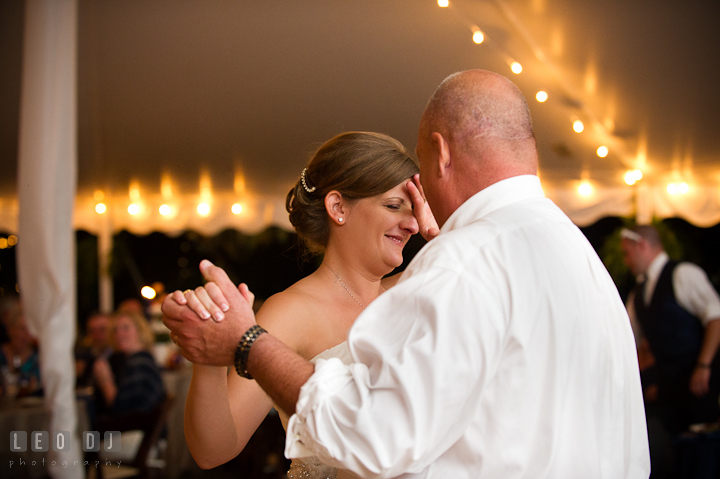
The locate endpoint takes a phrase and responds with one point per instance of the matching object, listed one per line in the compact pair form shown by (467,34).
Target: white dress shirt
(693,290)
(504,351)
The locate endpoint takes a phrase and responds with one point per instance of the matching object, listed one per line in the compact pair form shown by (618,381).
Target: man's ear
(444,160)
(336,207)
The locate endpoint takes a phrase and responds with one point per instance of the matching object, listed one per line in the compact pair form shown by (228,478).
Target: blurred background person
(95,344)
(19,360)
(130,380)
(676,313)
(7,303)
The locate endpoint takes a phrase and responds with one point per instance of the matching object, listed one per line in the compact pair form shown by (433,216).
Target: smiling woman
(358,201)
(356,165)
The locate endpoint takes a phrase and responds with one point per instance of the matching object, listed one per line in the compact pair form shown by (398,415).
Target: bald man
(503,352)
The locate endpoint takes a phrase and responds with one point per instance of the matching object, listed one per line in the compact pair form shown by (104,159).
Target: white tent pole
(47,164)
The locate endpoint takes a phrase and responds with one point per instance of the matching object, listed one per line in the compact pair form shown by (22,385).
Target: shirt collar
(503,193)
(656,266)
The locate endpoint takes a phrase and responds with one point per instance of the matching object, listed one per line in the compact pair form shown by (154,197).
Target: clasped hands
(207,323)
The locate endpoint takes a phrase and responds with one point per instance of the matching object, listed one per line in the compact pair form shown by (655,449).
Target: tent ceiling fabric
(188,97)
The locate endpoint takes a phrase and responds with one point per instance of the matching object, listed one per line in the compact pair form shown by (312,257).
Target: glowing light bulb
(148,292)
(443,3)
(12,240)
(578,126)
(683,188)
(3,243)
(541,96)
(478,37)
(602,151)
(585,189)
(672,188)
(164,210)
(99,195)
(630,178)
(100,208)
(516,68)
(134,209)
(236,208)
(638,174)
(203,209)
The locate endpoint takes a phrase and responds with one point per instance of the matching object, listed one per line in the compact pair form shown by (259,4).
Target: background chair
(151,423)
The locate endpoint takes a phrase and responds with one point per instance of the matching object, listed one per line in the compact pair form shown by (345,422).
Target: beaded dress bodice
(311,467)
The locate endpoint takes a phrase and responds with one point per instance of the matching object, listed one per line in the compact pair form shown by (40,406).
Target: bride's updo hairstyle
(358,165)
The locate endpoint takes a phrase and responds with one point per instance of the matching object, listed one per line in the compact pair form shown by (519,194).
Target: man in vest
(677,312)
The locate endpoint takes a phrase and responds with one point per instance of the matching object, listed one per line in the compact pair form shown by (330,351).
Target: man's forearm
(279,371)
(711,341)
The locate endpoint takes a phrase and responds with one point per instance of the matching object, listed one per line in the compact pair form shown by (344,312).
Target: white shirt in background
(693,290)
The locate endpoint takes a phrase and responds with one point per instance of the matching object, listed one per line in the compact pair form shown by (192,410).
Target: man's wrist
(243,350)
(702,365)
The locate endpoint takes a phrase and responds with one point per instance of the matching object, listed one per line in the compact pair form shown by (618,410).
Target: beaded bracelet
(243,350)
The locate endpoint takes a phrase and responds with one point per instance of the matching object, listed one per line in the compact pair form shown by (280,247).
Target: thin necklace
(343,285)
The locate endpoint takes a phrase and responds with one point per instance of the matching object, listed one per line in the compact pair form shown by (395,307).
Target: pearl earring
(340,220)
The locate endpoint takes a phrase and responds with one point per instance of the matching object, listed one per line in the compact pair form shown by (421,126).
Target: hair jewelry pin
(304,183)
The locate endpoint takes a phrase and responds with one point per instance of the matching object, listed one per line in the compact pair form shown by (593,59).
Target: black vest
(675,336)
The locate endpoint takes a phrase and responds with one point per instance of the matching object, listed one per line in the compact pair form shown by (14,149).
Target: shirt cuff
(330,376)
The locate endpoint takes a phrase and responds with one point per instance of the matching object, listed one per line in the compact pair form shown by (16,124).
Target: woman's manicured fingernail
(219,316)
(205,315)
(224,307)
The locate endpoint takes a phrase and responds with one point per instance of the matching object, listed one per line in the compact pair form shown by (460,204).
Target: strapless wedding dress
(311,467)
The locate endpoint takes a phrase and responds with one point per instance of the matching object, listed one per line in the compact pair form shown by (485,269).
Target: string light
(678,188)
(633,176)
(203,209)
(12,240)
(148,292)
(585,189)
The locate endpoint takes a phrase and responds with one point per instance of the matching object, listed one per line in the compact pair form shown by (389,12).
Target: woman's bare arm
(223,410)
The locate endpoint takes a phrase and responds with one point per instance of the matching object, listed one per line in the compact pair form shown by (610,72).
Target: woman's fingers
(246,293)
(194,303)
(426,221)
(415,194)
(202,294)
(217,296)
(178,296)
(418,185)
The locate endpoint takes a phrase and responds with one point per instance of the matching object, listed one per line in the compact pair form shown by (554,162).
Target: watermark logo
(40,441)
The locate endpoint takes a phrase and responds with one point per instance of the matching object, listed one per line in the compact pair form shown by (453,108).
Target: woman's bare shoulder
(291,315)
